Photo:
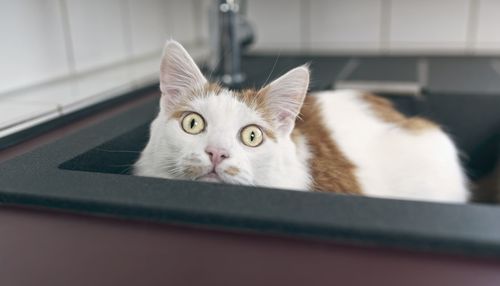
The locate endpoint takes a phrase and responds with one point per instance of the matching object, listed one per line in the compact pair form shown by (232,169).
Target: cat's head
(209,133)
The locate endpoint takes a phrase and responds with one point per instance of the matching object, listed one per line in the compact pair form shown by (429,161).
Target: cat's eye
(193,123)
(252,136)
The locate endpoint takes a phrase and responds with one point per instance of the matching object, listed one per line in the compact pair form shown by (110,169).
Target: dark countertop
(79,174)
(58,249)
(72,174)
(476,75)
(466,74)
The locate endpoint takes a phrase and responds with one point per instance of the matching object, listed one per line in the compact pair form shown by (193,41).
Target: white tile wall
(202,9)
(428,24)
(96,49)
(13,113)
(488,26)
(277,23)
(35,48)
(185,22)
(151,24)
(345,24)
(43,40)
(97,32)
(37,45)
(32,48)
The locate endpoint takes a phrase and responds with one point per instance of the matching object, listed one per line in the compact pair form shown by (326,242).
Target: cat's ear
(178,73)
(285,97)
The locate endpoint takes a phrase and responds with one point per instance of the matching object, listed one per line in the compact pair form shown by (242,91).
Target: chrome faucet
(229,32)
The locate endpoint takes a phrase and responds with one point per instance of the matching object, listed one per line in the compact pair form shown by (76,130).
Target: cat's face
(208,133)
(217,137)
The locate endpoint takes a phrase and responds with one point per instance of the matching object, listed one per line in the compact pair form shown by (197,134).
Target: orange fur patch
(385,110)
(232,171)
(330,168)
(177,114)
(213,88)
(192,171)
(257,100)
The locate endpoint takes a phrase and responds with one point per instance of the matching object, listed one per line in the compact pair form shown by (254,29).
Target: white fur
(390,161)
(170,150)
(178,74)
(285,97)
(174,154)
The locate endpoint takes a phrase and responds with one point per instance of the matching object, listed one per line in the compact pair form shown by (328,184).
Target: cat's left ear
(179,73)
(285,97)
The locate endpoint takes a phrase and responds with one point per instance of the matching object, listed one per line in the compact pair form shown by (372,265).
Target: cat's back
(361,144)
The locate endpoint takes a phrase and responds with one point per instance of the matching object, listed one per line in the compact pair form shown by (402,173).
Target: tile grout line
(385,26)
(305,25)
(471,26)
(127,29)
(68,39)
(198,10)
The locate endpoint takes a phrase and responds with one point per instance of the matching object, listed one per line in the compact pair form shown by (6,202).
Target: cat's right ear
(285,97)
(179,73)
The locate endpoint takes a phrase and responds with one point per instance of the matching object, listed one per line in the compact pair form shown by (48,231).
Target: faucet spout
(226,43)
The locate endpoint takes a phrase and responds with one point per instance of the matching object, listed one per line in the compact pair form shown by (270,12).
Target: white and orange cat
(332,141)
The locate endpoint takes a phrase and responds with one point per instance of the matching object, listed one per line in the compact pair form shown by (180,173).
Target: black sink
(88,171)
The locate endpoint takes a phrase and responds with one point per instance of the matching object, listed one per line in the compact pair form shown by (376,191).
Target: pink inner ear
(170,97)
(283,116)
(285,121)
(171,92)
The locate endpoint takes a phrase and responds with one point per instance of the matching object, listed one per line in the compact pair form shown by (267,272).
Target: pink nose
(216,154)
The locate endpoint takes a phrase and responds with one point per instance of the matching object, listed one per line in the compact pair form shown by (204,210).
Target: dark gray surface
(34,179)
(456,75)
(262,69)
(60,249)
(473,122)
(459,75)
(384,69)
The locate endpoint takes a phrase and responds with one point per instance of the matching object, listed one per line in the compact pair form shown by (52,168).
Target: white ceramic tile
(41,103)
(204,8)
(428,24)
(13,113)
(67,92)
(146,69)
(345,24)
(102,82)
(53,93)
(150,25)
(29,123)
(97,32)
(277,24)
(183,15)
(488,26)
(32,43)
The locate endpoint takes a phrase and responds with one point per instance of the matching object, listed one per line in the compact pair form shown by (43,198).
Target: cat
(342,141)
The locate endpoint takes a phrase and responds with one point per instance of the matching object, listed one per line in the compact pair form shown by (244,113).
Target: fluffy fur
(343,142)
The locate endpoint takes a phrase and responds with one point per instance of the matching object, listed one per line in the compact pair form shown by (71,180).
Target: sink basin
(87,172)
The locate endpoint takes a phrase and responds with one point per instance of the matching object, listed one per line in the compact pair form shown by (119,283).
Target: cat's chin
(210,177)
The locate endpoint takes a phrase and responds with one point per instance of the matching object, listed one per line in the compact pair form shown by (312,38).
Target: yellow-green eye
(252,136)
(193,123)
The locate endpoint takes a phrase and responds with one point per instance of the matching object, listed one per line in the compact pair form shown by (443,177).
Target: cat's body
(343,141)
(376,150)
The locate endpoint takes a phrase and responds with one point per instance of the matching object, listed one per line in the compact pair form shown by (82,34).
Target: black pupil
(252,136)
(193,123)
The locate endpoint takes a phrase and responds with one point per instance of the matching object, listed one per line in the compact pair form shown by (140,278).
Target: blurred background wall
(378,26)
(46,39)
(43,40)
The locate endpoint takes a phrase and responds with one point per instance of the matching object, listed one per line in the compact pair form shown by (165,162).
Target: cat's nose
(216,155)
